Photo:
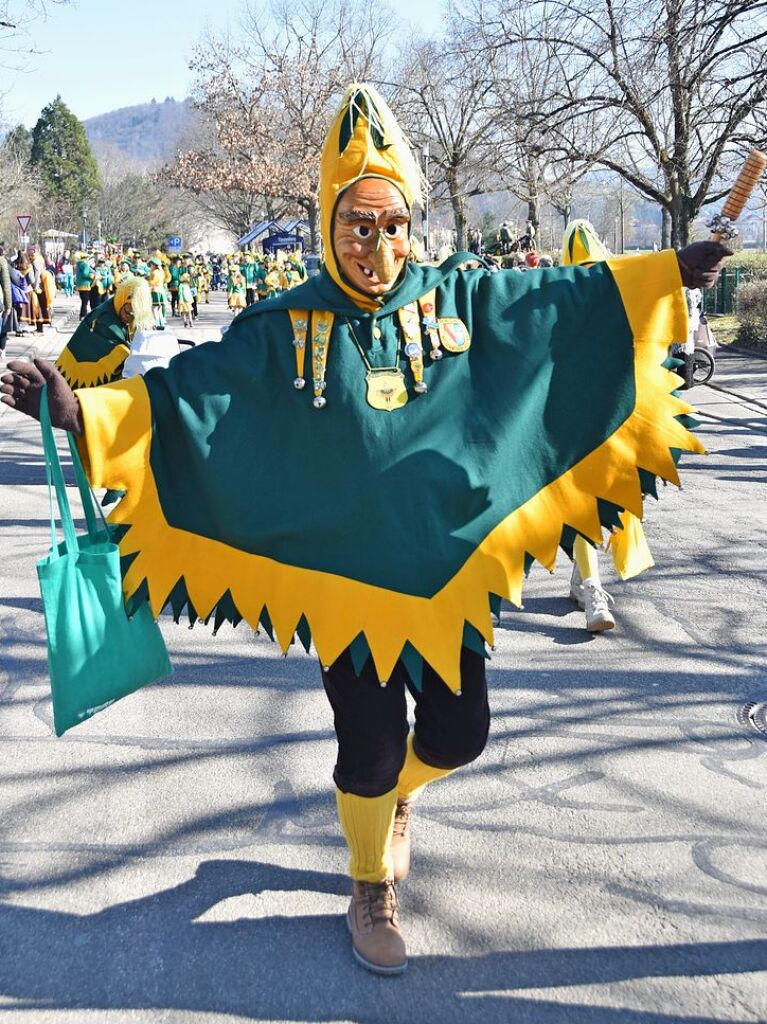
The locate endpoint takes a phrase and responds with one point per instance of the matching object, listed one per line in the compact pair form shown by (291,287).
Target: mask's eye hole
(363,231)
(394,230)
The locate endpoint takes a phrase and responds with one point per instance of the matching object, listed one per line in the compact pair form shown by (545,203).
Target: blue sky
(99,60)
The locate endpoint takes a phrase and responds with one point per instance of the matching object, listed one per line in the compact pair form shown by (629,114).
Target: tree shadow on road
(154,953)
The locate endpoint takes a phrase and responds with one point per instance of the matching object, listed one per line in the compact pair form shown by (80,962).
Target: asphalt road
(177,858)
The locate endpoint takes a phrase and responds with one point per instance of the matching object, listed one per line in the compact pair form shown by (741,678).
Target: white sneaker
(576,588)
(598,615)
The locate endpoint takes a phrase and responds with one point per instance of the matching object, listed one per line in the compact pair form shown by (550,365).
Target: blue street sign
(283,240)
(174,244)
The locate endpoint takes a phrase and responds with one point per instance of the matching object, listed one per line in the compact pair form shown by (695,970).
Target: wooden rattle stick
(739,194)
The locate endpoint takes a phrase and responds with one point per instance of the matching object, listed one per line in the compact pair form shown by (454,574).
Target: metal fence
(721,298)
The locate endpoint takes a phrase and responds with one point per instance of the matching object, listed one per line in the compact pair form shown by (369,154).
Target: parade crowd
(29,281)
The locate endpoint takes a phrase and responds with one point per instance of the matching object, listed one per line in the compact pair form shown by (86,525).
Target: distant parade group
(178,283)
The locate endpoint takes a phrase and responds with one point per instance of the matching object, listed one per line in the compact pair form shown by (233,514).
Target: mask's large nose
(384,262)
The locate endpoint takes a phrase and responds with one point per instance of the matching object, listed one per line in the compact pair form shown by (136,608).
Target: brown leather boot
(400,841)
(373,920)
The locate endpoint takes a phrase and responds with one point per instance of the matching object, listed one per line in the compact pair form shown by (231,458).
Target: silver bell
(298,383)
(436,353)
(420,387)
(320,402)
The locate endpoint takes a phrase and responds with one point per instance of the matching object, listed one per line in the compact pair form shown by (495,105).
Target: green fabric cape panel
(97,334)
(399,500)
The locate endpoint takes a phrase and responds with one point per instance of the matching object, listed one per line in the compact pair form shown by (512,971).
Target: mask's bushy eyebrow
(369,215)
(357,215)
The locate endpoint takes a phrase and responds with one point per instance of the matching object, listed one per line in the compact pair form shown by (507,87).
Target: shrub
(753,265)
(752,314)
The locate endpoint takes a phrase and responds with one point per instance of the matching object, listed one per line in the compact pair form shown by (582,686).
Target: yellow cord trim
(88,375)
(338,609)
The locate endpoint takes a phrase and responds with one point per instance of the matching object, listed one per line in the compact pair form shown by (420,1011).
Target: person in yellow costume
(582,247)
(157,282)
(422,433)
(203,280)
(97,350)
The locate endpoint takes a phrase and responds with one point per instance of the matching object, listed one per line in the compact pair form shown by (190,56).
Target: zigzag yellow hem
(116,449)
(89,375)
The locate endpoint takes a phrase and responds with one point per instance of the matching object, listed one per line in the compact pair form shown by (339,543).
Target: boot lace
(379,901)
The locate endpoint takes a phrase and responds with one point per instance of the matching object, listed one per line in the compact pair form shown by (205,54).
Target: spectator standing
(68,276)
(6,312)
(83,283)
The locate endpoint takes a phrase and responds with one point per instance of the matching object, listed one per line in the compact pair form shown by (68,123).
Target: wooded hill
(147,133)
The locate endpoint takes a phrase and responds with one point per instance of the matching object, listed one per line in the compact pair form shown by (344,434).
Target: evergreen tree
(62,157)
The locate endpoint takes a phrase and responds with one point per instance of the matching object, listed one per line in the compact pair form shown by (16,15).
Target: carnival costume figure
(101,343)
(423,434)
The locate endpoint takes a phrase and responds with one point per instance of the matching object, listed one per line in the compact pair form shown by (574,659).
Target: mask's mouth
(369,273)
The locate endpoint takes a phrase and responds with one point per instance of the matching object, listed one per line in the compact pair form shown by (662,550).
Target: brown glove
(22,390)
(700,263)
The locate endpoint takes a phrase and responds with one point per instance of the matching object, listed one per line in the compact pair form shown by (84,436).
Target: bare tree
(135,209)
(269,98)
(444,96)
(17,23)
(679,87)
(21,191)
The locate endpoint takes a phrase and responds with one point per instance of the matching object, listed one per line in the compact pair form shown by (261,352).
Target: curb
(738,394)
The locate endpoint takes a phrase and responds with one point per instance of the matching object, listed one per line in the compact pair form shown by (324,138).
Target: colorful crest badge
(454,334)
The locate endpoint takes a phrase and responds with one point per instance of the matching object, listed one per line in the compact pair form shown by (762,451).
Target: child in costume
(203,281)
(156,281)
(175,276)
(68,276)
(185,300)
(102,283)
(190,269)
(290,277)
(272,281)
(425,445)
(236,289)
(248,271)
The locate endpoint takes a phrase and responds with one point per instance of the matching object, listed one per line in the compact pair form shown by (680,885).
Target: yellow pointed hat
(364,141)
(581,244)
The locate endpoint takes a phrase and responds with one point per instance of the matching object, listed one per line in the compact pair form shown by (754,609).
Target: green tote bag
(96,654)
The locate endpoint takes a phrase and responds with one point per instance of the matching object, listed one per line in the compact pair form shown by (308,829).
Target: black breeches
(372,727)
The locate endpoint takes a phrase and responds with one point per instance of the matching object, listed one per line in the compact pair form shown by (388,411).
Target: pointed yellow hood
(581,244)
(364,141)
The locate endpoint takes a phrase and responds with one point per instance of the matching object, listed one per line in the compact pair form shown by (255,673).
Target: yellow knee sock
(415,774)
(367,824)
(586,559)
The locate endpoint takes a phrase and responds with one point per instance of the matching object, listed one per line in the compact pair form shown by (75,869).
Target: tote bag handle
(55,478)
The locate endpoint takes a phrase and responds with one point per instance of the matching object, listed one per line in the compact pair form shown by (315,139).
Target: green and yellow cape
(97,350)
(394,532)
